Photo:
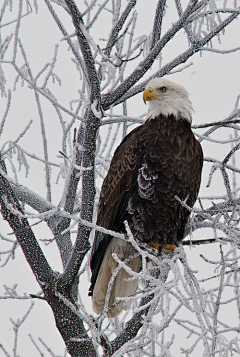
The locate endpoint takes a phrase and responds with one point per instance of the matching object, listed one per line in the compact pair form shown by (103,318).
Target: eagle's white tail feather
(120,287)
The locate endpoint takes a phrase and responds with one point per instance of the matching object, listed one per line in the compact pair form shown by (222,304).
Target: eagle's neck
(178,107)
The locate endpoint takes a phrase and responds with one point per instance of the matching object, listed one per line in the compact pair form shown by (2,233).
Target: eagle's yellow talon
(154,244)
(169,246)
(164,246)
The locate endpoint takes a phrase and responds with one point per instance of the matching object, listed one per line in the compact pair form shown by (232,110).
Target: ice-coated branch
(131,327)
(210,12)
(232,116)
(69,322)
(122,119)
(223,52)
(101,7)
(43,131)
(35,344)
(229,155)
(6,112)
(217,304)
(65,34)
(218,123)
(24,234)
(17,324)
(10,253)
(11,293)
(226,183)
(16,39)
(219,164)
(25,195)
(118,26)
(187,27)
(82,35)
(88,194)
(35,201)
(157,26)
(45,93)
(198,302)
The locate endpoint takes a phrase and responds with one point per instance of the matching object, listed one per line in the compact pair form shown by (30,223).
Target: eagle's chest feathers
(154,212)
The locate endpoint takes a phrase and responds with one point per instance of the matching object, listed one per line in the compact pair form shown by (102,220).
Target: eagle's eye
(163,89)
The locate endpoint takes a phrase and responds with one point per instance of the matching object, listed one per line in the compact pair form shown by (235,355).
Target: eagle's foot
(159,246)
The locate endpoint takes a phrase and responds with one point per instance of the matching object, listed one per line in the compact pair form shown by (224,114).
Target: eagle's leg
(159,246)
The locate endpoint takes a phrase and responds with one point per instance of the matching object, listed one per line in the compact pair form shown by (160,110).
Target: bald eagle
(154,163)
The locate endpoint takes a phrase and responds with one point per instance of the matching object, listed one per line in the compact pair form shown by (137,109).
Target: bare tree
(112,63)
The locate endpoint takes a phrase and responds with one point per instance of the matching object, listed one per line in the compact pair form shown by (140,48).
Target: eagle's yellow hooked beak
(150,94)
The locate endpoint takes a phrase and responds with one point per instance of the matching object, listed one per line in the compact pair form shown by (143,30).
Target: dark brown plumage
(157,161)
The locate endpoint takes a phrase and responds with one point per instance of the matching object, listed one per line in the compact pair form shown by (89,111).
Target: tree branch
(157,27)
(82,244)
(40,205)
(24,234)
(117,28)
(218,123)
(86,51)
(72,185)
(64,32)
(71,327)
(131,328)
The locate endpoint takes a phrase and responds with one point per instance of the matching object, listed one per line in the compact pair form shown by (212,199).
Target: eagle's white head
(168,98)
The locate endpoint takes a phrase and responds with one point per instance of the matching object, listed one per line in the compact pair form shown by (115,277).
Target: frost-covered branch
(157,27)
(24,234)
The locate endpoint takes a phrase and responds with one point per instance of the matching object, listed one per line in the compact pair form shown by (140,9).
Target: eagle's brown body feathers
(157,161)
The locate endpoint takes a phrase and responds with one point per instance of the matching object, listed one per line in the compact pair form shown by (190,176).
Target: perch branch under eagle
(154,163)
